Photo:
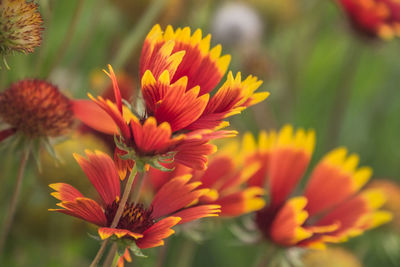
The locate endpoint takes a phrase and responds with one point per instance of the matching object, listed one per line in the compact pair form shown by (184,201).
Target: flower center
(135,217)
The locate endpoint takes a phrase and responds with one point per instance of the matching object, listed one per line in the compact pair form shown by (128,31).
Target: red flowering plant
(374,18)
(332,207)
(177,117)
(139,226)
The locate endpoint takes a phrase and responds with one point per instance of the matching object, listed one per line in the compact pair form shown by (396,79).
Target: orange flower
(145,140)
(147,227)
(331,208)
(35,109)
(227,183)
(177,72)
(375,18)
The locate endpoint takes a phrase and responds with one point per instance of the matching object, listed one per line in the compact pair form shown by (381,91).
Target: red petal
(287,167)
(154,236)
(333,180)
(106,232)
(101,171)
(65,192)
(6,133)
(94,116)
(175,195)
(191,214)
(83,208)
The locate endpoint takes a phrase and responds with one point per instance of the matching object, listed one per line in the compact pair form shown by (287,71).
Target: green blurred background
(321,75)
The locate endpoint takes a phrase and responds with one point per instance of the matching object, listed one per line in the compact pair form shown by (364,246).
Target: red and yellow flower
(179,67)
(331,209)
(147,227)
(225,179)
(376,18)
(178,70)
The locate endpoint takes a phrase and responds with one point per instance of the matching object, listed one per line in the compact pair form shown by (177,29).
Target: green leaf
(136,250)
(156,164)
(95,237)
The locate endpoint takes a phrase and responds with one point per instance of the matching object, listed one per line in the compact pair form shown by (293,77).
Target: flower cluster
(374,18)
(331,209)
(178,70)
(163,139)
(146,226)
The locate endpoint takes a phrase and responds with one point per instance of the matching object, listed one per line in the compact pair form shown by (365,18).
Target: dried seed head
(36,108)
(20,26)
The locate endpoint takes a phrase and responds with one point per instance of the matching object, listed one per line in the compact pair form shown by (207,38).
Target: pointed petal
(101,171)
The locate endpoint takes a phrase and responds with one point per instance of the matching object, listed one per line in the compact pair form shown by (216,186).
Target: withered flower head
(36,108)
(20,26)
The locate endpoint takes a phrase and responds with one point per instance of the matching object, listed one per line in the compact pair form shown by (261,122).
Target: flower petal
(65,192)
(153,236)
(286,229)
(241,202)
(93,116)
(288,162)
(85,209)
(101,171)
(194,213)
(6,133)
(334,179)
(106,232)
(175,195)
(202,66)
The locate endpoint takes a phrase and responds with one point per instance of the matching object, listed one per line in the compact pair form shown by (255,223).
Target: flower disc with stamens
(20,26)
(135,217)
(36,108)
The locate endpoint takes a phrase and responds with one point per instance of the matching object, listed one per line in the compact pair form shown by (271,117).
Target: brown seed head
(36,108)
(20,26)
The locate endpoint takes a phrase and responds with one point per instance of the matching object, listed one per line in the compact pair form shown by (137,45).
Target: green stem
(138,188)
(115,260)
(135,36)
(111,254)
(14,201)
(68,38)
(266,256)
(188,251)
(118,214)
(162,253)
(343,94)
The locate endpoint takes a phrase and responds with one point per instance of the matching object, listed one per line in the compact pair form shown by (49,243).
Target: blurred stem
(14,200)
(115,260)
(138,188)
(118,214)
(47,16)
(266,256)
(90,31)
(162,253)
(343,93)
(187,253)
(111,254)
(135,36)
(3,79)
(59,55)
